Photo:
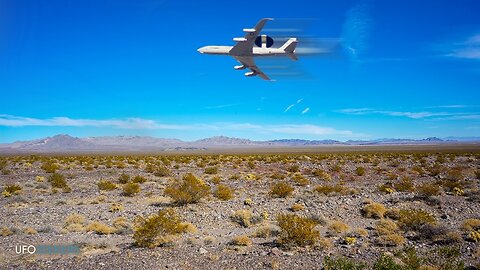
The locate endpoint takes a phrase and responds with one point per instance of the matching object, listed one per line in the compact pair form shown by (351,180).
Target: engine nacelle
(250,74)
(239,67)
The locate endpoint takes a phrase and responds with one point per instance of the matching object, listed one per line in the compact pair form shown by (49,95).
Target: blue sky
(405,69)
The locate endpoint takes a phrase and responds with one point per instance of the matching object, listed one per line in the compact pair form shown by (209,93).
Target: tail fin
(289,48)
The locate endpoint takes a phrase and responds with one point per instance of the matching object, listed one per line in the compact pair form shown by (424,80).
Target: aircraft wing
(244,45)
(249,63)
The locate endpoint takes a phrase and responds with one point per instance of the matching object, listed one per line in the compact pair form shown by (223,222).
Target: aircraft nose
(200,50)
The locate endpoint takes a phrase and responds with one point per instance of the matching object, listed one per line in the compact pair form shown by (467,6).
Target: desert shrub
(278,176)
(471,224)
(106,185)
(337,226)
(455,174)
(419,170)
(405,185)
(446,258)
(438,234)
(386,262)
(58,181)
(131,189)
(329,189)
(116,207)
(410,259)
(281,190)
(374,210)
(139,179)
(342,263)
(190,190)
(477,174)
(293,168)
(161,171)
(74,223)
(49,166)
(386,188)
(30,230)
(392,213)
(428,190)
(413,219)
(12,189)
(158,229)
(211,170)
(124,178)
(242,240)
(322,175)
(224,192)
(297,207)
(243,217)
(300,179)
(122,226)
(216,179)
(360,171)
(266,231)
(99,228)
(474,236)
(296,230)
(5,231)
(388,233)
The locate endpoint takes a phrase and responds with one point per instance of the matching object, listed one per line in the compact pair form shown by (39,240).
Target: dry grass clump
(330,189)
(12,189)
(337,226)
(99,228)
(243,217)
(30,230)
(374,210)
(296,230)
(405,185)
(300,179)
(58,181)
(360,171)
(211,170)
(122,226)
(74,223)
(49,166)
(428,190)
(161,171)
(414,219)
(224,192)
(116,207)
(281,190)
(322,175)
(297,207)
(266,231)
(139,179)
(388,233)
(130,189)
(189,190)
(124,178)
(5,231)
(242,240)
(158,229)
(471,224)
(106,185)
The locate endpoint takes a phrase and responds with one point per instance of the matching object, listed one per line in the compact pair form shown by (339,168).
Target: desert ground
(403,208)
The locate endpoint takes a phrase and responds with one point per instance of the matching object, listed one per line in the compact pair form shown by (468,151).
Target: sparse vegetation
(58,181)
(413,219)
(130,189)
(281,190)
(189,190)
(157,230)
(296,230)
(106,185)
(374,210)
(224,192)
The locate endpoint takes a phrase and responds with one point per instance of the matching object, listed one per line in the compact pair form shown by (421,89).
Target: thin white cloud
(221,106)
(139,123)
(306,110)
(293,105)
(468,49)
(412,115)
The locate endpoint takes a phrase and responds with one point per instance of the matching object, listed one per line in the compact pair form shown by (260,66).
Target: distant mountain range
(66,143)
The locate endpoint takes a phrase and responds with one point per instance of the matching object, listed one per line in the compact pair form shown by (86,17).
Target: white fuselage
(225,50)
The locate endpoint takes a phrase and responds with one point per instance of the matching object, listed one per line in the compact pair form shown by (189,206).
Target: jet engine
(239,67)
(250,74)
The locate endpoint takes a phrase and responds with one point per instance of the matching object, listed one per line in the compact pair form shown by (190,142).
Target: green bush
(224,192)
(49,166)
(414,219)
(158,229)
(161,171)
(58,181)
(281,190)
(131,189)
(328,189)
(124,178)
(385,262)
(211,170)
(342,263)
(296,230)
(189,190)
(106,185)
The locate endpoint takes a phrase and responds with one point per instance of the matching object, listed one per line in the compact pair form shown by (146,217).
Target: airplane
(244,51)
